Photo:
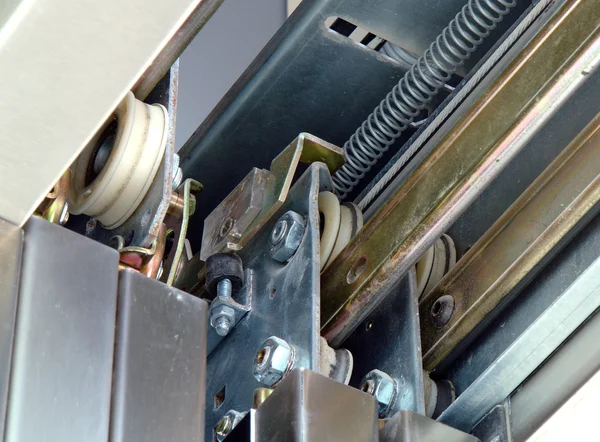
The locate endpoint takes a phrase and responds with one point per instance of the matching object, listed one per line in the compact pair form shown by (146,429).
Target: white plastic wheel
(116,190)
(438,261)
(423,268)
(351,221)
(329,207)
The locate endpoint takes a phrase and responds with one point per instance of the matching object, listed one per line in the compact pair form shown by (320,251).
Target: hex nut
(383,388)
(220,311)
(273,361)
(292,225)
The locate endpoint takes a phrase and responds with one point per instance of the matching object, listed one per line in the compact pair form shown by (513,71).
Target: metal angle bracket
(286,304)
(241,305)
(392,343)
(261,193)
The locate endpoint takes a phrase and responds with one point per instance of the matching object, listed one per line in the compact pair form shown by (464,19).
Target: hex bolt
(224,277)
(278,231)
(286,236)
(274,359)
(222,319)
(383,387)
(222,326)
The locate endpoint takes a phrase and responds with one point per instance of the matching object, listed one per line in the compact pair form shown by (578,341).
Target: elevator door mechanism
(354,245)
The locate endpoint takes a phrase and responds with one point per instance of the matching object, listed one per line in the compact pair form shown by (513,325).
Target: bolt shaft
(224,288)
(223,326)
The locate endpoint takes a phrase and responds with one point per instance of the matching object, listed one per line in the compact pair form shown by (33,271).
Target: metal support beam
(516,247)
(501,122)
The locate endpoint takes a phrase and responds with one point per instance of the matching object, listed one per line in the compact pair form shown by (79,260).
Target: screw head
(383,388)
(273,361)
(226,227)
(442,310)
(286,236)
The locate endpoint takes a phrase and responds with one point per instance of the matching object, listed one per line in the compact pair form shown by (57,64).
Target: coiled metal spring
(419,85)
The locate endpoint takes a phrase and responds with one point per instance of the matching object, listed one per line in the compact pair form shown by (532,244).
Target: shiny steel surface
(309,407)
(573,364)
(11,248)
(497,127)
(408,426)
(160,362)
(62,368)
(175,46)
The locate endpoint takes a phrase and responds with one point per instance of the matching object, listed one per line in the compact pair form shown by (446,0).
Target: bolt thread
(222,326)
(224,288)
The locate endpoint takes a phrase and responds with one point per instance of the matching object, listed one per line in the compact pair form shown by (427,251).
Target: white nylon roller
(329,207)
(351,221)
(139,146)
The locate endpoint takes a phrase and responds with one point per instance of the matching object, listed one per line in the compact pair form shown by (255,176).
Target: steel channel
(509,254)
(541,78)
(544,333)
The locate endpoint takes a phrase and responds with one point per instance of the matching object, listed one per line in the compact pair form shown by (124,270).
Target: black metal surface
(389,340)
(562,128)
(286,304)
(308,78)
(160,362)
(63,351)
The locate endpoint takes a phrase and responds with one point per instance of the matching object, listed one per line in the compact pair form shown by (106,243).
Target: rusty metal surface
(235,221)
(542,76)
(229,221)
(515,246)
